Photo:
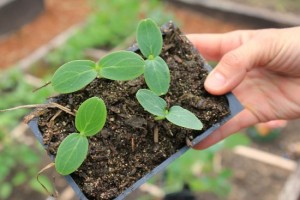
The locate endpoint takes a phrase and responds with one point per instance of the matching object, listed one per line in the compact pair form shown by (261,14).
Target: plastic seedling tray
(234,106)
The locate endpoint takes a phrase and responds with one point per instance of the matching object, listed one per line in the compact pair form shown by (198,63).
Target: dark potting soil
(126,150)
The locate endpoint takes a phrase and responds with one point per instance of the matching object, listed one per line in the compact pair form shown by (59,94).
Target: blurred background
(37,36)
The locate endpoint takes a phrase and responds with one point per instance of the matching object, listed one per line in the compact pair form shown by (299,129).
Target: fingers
(234,66)
(240,121)
(214,46)
(274,124)
(238,54)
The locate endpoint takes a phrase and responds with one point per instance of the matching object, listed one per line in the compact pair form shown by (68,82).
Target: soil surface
(125,150)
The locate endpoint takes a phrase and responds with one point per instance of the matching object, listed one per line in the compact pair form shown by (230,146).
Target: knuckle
(232,59)
(268,36)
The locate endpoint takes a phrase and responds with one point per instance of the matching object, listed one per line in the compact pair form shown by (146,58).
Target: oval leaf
(121,66)
(149,38)
(74,76)
(157,75)
(71,153)
(151,102)
(184,118)
(91,116)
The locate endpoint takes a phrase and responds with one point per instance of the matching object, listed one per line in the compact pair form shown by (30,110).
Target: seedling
(119,65)
(176,114)
(90,119)
(157,77)
(150,41)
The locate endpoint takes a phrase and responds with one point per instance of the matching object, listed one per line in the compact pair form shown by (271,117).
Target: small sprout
(158,107)
(150,41)
(72,151)
(75,75)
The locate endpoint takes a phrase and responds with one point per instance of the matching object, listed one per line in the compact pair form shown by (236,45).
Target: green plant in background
(109,23)
(14,91)
(19,166)
(200,171)
(19,162)
(176,114)
(90,119)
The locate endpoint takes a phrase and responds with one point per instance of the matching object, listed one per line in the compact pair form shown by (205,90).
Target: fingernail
(216,80)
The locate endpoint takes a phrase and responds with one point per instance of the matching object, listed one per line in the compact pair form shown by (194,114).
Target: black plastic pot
(16,13)
(234,106)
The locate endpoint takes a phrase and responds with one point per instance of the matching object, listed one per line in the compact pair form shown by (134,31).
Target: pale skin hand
(262,68)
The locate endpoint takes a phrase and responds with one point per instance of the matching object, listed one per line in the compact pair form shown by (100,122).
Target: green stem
(159,118)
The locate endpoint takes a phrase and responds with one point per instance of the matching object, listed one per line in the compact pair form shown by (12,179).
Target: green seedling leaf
(149,38)
(182,117)
(121,66)
(91,116)
(157,75)
(71,153)
(151,102)
(74,76)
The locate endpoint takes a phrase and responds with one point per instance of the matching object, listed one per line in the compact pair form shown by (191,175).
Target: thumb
(233,67)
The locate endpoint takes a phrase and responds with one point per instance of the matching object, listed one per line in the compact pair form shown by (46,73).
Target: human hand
(261,67)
